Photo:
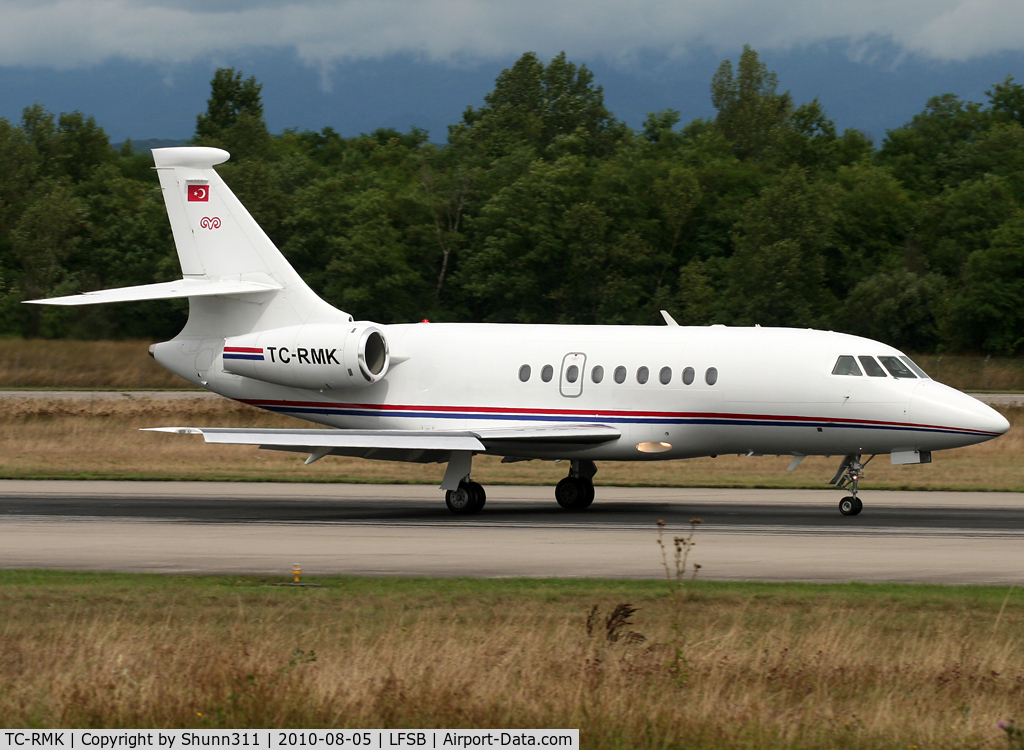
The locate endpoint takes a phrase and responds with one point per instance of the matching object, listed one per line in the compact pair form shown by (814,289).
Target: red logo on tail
(199,192)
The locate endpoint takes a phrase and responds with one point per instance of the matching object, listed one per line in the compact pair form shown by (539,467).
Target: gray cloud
(73,33)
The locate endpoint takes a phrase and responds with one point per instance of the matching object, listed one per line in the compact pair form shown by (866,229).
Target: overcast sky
(63,47)
(70,33)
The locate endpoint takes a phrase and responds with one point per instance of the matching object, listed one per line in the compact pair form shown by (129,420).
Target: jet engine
(311,356)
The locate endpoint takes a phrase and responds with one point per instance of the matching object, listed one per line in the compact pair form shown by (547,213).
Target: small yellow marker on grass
(296,572)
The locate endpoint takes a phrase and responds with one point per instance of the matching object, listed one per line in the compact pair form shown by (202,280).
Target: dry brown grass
(98,438)
(62,363)
(39,363)
(972,372)
(765,665)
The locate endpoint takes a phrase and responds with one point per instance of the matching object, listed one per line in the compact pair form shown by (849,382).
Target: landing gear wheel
(574,493)
(850,506)
(468,499)
(480,497)
(588,493)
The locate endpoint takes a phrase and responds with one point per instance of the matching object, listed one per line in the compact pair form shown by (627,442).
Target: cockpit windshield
(910,363)
(899,367)
(846,365)
(896,368)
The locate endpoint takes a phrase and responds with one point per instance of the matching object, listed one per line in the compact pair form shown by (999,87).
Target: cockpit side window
(896,368)
(846,365)
(910,363)
(872,368)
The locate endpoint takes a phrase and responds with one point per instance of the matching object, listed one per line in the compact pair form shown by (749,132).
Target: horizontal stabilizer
(167,290)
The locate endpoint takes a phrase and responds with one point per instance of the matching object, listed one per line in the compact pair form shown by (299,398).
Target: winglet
(669,320)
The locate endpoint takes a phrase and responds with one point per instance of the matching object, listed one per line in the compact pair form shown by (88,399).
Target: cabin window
(597,374)
(711,376)
(572,373)
(547,373)
(524,373)
(897,368)
(910,363)
(620,374)
(665,376)
(688,375)
(846,365)
(642,374)
(872,368)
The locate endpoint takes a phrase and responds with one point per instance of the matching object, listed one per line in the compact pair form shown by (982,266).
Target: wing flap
(166,290)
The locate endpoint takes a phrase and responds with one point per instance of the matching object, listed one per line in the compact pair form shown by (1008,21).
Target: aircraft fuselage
(750,390)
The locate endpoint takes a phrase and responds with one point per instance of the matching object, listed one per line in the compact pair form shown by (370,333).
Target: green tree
(986,312)
(234,116)
(875,216)
(1007,99)
(751,113)
(777,276)
(533,104)
(898,307)
(45,235)
(373,272)
(920,153)
(961,219)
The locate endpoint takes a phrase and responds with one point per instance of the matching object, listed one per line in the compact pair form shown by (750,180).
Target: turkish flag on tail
(199,192)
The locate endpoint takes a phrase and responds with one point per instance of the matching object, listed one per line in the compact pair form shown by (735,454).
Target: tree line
(541,206)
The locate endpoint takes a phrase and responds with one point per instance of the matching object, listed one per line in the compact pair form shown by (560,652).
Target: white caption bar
(275,739)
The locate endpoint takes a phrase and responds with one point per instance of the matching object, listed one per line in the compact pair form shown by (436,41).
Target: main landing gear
(576,491)
(468,499)
(850,472)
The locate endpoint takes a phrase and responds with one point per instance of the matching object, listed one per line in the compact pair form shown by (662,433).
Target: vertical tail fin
(218,240)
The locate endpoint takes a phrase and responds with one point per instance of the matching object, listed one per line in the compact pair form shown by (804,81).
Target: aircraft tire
(850,506)
(588,493)
(479,496)
(465,501)
(574,493)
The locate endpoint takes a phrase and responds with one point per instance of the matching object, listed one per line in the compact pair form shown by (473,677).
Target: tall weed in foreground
(676,575)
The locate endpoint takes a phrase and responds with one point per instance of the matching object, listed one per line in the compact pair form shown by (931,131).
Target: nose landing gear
(850,472)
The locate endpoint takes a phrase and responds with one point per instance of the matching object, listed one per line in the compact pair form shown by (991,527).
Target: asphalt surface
(266,528)
(621,508)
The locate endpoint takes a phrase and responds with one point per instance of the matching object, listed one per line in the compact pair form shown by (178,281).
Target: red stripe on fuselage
(597,415)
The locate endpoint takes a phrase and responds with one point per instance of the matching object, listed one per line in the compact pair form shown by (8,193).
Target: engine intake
(312,356)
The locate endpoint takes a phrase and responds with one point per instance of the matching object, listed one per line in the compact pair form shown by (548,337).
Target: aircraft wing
(420,446)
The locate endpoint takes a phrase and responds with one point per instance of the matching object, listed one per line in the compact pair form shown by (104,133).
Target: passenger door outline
(565,387)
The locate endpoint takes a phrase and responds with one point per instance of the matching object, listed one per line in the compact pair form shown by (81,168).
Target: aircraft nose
(941,405)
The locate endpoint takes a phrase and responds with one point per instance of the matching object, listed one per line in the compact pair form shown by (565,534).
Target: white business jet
(444,392)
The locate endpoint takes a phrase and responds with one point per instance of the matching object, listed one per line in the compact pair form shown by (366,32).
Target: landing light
(651,447)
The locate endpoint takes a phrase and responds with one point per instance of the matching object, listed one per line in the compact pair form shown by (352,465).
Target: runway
(266,528)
